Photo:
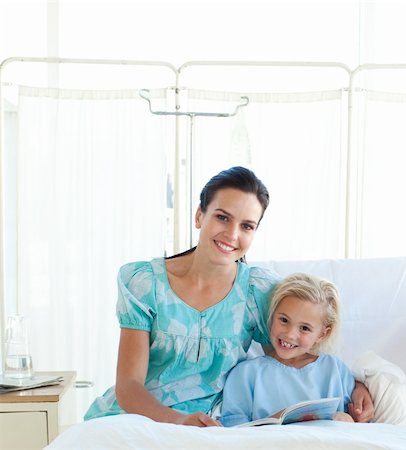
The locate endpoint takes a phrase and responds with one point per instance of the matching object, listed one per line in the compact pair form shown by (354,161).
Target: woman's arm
(132,366)
(362,408)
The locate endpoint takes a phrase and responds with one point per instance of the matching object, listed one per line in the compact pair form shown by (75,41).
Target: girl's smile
(297,325)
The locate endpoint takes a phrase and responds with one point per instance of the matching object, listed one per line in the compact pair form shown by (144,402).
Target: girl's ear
(324,334)
(198,216)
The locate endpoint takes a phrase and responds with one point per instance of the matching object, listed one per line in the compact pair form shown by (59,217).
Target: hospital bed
(373,336)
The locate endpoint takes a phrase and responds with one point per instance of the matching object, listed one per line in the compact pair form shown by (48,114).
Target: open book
(15,384)
(321,409)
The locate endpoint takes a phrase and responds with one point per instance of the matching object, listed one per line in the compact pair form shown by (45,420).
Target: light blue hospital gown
(263,386)
(191,352)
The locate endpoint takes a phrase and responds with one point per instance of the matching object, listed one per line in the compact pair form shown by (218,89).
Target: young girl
(303,321)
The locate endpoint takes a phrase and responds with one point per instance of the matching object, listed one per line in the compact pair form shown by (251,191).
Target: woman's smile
(224,247)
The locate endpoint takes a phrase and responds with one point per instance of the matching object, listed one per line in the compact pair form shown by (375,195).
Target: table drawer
(25,430)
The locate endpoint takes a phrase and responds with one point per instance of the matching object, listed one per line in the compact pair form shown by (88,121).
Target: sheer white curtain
(296,143)
(91,196)
(379,143)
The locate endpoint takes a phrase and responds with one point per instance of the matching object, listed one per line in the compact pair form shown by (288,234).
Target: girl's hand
(198,419)
(343,417)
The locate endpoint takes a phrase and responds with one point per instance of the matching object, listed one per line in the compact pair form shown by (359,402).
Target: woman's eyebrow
(224,211)
(230,215)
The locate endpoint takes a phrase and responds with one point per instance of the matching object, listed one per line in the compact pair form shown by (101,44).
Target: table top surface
(42,394)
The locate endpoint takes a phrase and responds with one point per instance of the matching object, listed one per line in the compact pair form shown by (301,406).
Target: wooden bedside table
(32,418)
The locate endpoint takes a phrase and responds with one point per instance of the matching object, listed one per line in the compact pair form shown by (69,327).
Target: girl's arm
(362,408)
(238,394)
(132,396)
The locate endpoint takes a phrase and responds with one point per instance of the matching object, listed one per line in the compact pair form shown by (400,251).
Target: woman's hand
(361,409)
(342,417)
(198,419)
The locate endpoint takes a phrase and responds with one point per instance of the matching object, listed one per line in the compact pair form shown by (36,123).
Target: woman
(186,321)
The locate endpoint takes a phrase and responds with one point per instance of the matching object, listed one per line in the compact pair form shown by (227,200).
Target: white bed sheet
(130,431)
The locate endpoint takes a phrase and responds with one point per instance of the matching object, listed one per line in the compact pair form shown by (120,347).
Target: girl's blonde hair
(318,291)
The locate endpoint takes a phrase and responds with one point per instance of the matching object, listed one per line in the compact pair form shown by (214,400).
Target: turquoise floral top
(191,351)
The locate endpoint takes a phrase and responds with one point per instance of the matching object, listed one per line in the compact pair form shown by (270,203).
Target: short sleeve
(238,391)
(261,285)
(136,304)
(348,383)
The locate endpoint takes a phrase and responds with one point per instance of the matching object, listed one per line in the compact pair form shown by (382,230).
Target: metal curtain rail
(122,62)
(265,64)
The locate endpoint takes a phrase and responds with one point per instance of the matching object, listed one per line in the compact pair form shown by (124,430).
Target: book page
(259,422)
(320,409)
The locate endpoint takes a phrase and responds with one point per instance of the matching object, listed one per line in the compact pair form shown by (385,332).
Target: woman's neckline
(214,305)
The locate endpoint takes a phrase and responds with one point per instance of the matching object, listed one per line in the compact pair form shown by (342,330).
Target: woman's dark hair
(237,177)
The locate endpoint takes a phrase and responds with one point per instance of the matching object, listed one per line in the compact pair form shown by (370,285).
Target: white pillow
(386,383)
